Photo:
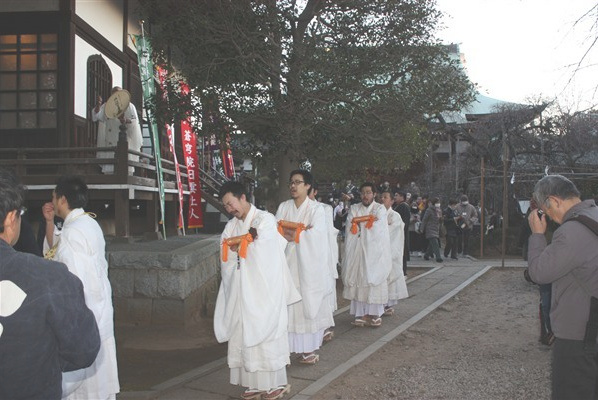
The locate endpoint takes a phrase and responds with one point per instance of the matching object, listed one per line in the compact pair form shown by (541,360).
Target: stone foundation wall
(173,286)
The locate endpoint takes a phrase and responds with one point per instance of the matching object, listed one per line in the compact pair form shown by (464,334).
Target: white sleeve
(132,111)
(100,115)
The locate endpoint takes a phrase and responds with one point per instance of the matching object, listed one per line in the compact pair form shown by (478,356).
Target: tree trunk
(285,165)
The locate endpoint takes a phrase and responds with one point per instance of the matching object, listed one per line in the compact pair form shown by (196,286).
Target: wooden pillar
(121,213)
(121,168)
(152,230)
(171,217)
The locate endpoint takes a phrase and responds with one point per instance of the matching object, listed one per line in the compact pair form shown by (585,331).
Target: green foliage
(347,83)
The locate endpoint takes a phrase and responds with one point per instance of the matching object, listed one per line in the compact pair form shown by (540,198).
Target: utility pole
(482,208)
(505,195)
(457,165)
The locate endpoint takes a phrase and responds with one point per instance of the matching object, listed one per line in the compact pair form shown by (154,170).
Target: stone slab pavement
(350,345)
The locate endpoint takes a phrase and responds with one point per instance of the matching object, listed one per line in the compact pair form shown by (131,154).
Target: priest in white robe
(108,130)
(81,246)
(251,308)
(332,255)
(397,287)
(367,261)
(307,255)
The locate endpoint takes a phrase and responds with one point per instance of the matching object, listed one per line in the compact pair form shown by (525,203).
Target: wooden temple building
(56,57)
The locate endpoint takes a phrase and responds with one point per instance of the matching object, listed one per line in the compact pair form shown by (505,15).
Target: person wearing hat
(109,128)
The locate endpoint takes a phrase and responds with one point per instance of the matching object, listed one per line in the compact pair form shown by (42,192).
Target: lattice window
(28,81)
(99,82)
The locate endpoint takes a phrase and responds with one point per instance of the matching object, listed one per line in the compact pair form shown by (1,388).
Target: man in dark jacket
(402,208)
(451,223)
(570,263)
(45,327)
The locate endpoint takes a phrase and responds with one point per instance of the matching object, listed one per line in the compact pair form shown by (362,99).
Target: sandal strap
(252,393)
(309,359)
(281,387)
(272,393)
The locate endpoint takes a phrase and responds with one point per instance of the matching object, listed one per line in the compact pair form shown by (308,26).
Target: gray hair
(554,185)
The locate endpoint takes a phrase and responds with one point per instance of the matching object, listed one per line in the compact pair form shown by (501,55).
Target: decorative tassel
(370,222)
(298,231)
(244,243)
(297,226)
(224,251)
(368,219)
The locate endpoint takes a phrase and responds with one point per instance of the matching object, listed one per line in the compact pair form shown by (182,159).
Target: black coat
(451,218)
(51,331)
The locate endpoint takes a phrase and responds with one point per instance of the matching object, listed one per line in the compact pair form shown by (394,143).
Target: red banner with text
(189,140)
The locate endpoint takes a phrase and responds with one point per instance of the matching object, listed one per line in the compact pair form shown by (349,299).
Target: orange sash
(297,226)
(369,219)
(242,240)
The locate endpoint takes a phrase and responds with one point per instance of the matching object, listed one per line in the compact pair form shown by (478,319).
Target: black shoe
(439,260)
(547,339)
(454,258)
(426,258)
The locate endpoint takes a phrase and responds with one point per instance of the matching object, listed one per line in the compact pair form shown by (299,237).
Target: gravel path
(483,344)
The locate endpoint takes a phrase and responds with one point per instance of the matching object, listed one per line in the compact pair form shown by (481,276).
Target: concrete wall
(164,283)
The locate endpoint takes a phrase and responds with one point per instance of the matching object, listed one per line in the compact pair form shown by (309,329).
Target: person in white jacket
(307,253)
(108,130)
(397,287)
(251,307)
(367,262)
(332,255)
(81,246)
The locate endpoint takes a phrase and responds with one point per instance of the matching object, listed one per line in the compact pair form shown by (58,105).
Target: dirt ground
(482,344)
(150,355)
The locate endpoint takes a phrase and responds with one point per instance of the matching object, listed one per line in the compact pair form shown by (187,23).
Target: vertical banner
(227,158)
(162,73)
(146,73)
(227,161)
(189,140)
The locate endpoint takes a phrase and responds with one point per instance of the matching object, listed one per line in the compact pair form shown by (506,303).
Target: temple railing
(38,169)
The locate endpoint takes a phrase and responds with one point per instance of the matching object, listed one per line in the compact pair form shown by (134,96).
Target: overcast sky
(518,49)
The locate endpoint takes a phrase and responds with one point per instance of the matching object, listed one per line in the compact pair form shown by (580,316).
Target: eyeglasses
(22,211)
(295,183)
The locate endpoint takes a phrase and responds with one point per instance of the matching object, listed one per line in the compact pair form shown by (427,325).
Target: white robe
(251,307)
(333,254)
(309,264)
(397,288)
(108,130)
(81,247)
(367,261)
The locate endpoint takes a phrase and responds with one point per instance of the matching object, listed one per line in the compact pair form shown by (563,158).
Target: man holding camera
(570,263)
(469,216)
